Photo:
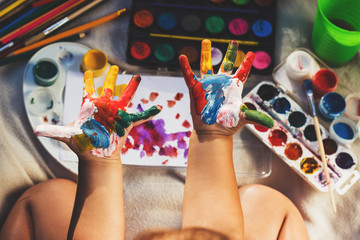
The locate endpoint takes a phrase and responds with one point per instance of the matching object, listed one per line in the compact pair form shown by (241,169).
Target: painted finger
(136,118)
(187,72)
(227,64)
(56,132)
(89,89)
(257,117)
(129,92)
(110,81)
(243,71)
(206,67)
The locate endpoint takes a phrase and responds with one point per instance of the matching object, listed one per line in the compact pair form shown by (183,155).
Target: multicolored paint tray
(293,139)
(160,31)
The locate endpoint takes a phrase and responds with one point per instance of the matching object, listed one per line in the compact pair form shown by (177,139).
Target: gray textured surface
(153,196)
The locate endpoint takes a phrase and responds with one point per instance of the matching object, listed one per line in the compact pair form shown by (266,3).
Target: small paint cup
(95,61)
(332,105)
(352,110)
(344,130)
(46,72)
(324,81)
(300,65)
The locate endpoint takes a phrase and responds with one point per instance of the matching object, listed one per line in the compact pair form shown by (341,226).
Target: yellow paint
(119,89)
(89,82)
(205,58)
(95,61)
(239,58)
(110,79)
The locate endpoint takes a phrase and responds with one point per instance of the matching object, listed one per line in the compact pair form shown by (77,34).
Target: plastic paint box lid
(352,109)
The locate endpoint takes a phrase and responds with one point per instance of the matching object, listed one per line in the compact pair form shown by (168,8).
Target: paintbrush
(309,94)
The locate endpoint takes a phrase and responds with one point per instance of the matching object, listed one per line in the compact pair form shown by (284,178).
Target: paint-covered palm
(216,98)
(103,124)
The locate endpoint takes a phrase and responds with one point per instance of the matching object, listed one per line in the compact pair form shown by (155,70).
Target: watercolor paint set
(293,139)
(161,30)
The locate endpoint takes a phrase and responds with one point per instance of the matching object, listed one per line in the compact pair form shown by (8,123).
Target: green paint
(164,52)
(230,57)
(257,117)
(214,24)
(240,2)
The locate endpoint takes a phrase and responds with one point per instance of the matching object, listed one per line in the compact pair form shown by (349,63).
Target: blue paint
(214,86)
(100,137)
(281,105)
(332,105)
(343,130)
(262,28)
(167,21)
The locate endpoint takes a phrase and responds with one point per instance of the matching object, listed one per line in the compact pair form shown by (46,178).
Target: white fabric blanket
(153,196)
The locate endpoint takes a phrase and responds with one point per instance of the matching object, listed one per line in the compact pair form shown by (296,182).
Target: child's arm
(97,136)
(211,197)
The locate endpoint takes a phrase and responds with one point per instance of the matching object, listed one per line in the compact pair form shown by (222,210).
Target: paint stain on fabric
(177,116)
(293,151)
(144,101)
(186,124)
(277,138)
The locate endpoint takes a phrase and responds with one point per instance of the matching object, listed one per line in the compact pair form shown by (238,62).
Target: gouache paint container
(46,72)
(344,130)
(95,61)
(324,81)
(300,65)
(331,106)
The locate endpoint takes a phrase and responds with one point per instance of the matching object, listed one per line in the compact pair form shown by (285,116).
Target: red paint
(277,138)
(153,96)
(186,124)
(140,50)
(145,101)
(171,103)
(193,84)
(177,116)
(261,128)
(324,81)
(243,71)
(293,151)
(165,162)
(178,96)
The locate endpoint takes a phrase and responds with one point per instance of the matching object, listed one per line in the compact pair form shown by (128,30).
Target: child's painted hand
(103,124)
(216,98)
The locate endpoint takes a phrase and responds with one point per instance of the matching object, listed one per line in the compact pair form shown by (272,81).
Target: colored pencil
(28,18)
(6,39)
(17,11)
(11,7)
(41,3)
(62,22)
(217,40)
(24,55)
(72,31)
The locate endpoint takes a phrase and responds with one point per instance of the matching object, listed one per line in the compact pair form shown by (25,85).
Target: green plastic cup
(336,32)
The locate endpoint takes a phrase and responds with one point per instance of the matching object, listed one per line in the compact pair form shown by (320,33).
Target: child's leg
(42,212)
(268,214)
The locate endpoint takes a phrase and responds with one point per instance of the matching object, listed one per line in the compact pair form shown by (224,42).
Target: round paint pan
(300,65)
(346,161)
(331,106)
(46,72)
(95,61)
(41,101)
(352,109)
(344,130)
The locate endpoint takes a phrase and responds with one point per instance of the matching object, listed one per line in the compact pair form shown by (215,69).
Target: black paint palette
(293,139)
(161,30)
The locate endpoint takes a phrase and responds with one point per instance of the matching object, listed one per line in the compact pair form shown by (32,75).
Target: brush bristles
(308,85)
